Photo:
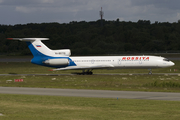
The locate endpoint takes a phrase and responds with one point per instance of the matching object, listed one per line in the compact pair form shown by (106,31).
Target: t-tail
(45,56)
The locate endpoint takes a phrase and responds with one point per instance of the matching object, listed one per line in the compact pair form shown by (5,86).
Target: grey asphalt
(92,93)
(175,74)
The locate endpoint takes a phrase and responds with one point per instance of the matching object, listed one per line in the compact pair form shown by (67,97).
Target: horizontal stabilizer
(84,67)
(28,39)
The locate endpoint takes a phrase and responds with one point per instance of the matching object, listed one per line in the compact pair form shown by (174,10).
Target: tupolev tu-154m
(61,60)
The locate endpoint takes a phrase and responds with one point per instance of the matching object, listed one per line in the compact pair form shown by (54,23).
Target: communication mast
(101,13)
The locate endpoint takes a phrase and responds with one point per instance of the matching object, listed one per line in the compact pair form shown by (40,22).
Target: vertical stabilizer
(39,49)
(35,45)
(42,53)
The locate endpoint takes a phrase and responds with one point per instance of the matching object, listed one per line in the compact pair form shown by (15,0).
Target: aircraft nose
(172,64)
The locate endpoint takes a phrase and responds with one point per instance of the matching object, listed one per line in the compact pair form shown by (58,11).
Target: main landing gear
(88,72)
(150,72)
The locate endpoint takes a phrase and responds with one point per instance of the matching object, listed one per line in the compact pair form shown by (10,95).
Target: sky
(64,11)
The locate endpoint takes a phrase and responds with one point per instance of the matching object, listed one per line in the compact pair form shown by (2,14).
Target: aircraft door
(92,61)
(119,61)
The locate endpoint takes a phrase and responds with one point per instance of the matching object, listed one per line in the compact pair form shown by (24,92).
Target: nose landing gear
(150,72)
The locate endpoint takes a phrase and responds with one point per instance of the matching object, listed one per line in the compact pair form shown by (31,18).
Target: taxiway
(92,93)
(14,74)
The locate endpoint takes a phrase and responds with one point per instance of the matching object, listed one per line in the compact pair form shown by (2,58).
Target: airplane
(61,60)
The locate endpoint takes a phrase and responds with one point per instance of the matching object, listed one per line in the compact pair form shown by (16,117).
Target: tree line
(93,38)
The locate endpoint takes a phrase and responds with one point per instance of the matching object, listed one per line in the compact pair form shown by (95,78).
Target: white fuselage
(123,61)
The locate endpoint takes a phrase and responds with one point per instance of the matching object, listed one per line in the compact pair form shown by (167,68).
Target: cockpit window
(166,59)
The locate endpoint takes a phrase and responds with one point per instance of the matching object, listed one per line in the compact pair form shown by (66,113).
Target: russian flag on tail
(38,45)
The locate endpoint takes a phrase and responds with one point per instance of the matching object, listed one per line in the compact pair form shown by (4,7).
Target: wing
(84,67)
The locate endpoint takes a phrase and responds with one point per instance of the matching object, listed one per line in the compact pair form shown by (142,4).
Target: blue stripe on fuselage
(39,57)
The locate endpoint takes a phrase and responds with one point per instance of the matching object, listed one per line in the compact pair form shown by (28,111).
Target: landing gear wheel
(150,72)
(88,72)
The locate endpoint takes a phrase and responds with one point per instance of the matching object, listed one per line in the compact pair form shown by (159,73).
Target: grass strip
(161,83)
(20,107)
